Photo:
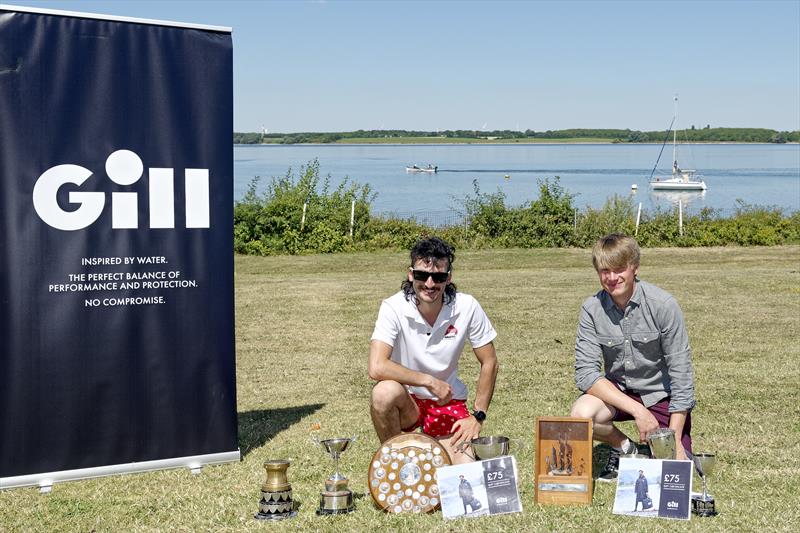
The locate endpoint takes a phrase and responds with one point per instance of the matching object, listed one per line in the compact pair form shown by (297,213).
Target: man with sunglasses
(414,352)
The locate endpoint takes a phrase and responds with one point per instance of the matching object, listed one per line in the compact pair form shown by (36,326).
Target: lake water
(758,174)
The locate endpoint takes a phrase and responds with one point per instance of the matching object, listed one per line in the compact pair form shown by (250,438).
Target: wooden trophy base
(563,490)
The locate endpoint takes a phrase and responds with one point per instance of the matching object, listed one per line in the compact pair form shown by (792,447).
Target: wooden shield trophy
(402,473)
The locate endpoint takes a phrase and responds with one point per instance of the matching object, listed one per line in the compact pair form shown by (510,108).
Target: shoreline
(490,143)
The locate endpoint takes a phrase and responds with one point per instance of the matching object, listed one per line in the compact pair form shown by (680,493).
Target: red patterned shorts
(437,420)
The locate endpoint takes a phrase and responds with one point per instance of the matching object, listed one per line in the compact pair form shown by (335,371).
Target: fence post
(466,225)
(352,216)
(680,217)
(303,219)
(638,218)
(575,222)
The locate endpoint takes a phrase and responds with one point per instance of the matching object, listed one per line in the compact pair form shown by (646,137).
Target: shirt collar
(637,294)
(446,315)
(636,298)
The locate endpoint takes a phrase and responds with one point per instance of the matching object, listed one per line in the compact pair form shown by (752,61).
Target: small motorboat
(430,169)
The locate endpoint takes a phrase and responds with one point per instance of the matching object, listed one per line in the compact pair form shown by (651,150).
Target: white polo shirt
(434,350)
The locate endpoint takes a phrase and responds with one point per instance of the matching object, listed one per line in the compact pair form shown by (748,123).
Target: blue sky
(344,65)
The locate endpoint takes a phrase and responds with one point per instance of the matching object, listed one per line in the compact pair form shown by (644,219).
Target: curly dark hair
(430,250)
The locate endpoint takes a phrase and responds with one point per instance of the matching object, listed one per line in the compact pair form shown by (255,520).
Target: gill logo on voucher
(123,167)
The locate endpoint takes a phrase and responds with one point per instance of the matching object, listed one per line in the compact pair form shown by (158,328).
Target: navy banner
(116,200)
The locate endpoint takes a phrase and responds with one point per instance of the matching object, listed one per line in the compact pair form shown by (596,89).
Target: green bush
(549,220)
(271,223)
(659,229)
(488,215)
(391,233)
(618,215)
(545,222)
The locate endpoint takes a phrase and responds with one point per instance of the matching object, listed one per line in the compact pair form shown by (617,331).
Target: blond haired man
(632,356)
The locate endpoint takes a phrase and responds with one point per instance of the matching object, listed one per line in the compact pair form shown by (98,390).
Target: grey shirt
(644,349)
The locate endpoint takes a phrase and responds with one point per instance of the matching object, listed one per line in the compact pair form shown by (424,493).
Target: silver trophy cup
(489,447)
(662,443)
(336,498)
(704,505)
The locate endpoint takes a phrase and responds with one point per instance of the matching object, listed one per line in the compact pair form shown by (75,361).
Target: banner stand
(46,480)
(117,312)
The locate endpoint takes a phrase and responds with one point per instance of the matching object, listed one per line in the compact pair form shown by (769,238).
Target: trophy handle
(465,447)
(698,466)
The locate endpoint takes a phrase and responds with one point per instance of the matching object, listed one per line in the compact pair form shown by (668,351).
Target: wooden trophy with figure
(563,460)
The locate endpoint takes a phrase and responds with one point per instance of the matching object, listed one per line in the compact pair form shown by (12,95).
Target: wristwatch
(480,416)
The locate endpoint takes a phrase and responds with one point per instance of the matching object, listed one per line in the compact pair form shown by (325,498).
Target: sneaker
(609,472)
(636,449)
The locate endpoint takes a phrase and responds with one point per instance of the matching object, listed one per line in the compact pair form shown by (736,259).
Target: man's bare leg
(588,406)
(392,409)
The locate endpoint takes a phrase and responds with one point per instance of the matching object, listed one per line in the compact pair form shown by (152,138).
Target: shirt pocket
(613,346)
(647,345)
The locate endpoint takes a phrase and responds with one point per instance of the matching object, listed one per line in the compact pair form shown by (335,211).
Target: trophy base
(276,505)
(270,516)
(336,502)
(704,507)
(563,490)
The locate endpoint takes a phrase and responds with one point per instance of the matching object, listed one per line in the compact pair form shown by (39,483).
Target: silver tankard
(662,443)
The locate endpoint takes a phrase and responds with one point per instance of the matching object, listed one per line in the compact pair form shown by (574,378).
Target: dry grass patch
(303,327)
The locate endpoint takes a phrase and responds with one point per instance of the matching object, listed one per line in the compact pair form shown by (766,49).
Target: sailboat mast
(675,138)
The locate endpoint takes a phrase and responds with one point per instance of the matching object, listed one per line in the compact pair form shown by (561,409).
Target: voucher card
(482,488)
(654,488)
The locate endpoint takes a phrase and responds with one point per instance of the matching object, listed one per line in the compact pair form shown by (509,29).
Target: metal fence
(449,218)
(433,219)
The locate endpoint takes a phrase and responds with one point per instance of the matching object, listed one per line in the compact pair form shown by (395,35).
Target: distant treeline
(706,134)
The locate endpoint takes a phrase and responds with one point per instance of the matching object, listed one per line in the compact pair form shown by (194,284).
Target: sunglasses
(423,275)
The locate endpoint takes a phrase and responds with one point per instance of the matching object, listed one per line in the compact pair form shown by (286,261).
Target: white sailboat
(682,179)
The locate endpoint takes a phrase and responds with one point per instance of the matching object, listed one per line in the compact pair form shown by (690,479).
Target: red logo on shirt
(451,332)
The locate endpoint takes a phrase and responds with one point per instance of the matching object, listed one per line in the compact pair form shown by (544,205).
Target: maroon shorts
(660,411)
(437,420)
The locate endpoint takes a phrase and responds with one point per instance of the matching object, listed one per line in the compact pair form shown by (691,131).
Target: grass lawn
(303,326)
